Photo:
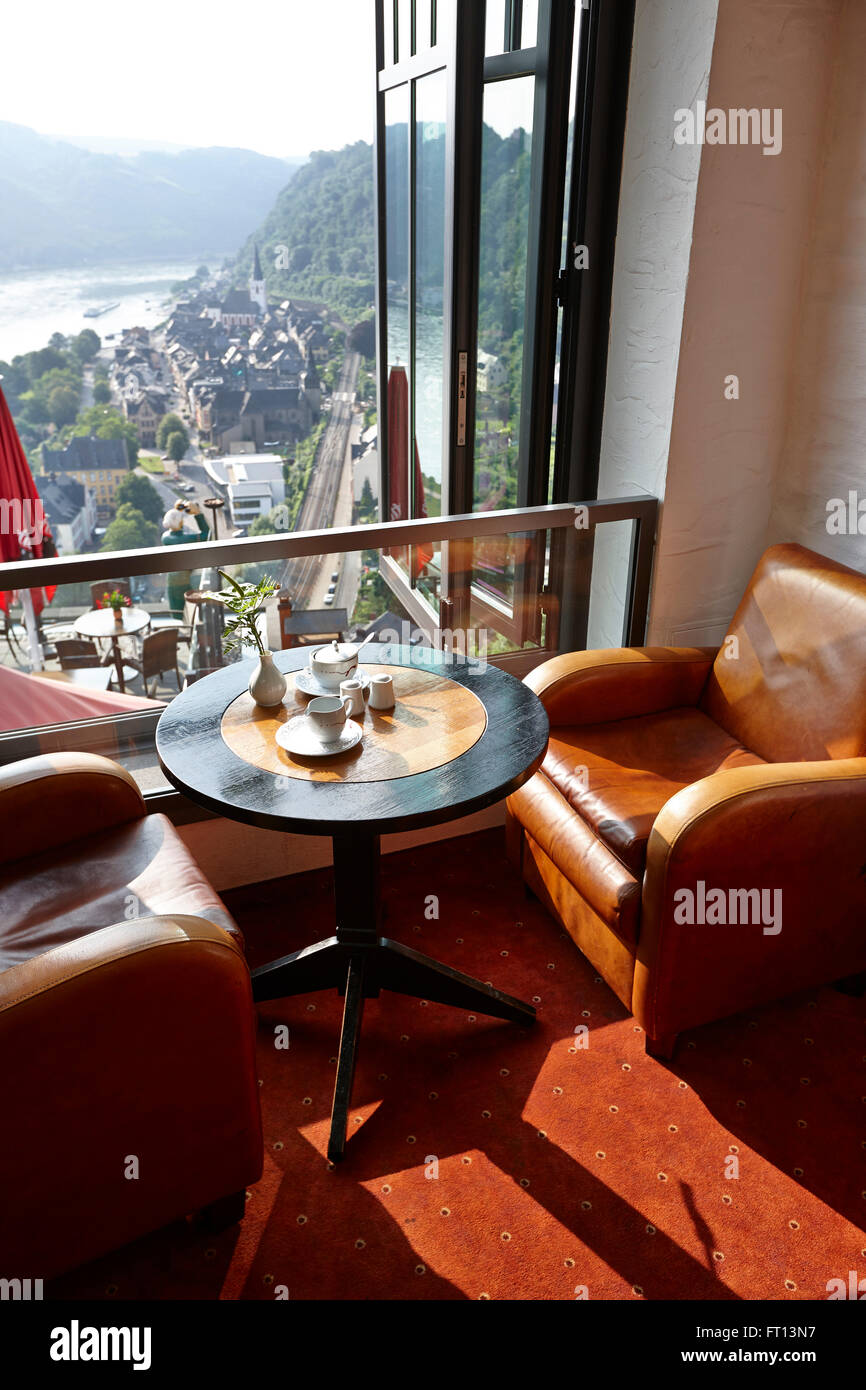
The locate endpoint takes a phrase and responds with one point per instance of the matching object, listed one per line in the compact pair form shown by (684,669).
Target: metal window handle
(462,381)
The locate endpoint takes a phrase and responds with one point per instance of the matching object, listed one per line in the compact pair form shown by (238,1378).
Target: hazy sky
(279,76)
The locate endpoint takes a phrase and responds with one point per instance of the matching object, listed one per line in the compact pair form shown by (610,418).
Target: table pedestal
(118,661)
(358,962)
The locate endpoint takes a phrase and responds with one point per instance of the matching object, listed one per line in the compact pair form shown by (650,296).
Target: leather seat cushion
(140,869)
(579,856)
(617,776)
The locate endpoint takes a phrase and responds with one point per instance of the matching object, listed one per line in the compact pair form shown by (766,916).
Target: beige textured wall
(670,68)
(750,264)
(824,453)
(232,854)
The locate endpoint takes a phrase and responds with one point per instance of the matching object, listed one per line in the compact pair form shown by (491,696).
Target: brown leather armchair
(128,1088)
(678,781)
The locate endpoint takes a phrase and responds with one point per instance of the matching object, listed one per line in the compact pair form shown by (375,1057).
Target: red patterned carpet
(489,1162)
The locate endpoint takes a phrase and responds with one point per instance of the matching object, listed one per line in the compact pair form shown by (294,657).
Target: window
(483,161)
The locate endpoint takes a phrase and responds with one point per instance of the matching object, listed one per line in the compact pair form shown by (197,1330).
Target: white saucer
(308,684)
(297,736)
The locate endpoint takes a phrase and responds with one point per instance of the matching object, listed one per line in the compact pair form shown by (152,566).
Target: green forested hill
(324,219)
(317,242)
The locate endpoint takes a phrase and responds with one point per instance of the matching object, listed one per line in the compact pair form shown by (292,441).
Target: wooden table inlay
(434,721)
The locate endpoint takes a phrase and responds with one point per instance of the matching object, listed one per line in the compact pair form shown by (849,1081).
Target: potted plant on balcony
(116,601)
(246,602)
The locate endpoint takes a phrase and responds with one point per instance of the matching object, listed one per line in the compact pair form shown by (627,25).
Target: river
(36,303)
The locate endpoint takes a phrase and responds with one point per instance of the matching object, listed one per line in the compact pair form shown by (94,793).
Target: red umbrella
(398,471)
(22,524)
(26,702)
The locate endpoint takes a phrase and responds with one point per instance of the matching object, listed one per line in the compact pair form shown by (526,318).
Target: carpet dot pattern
(489,1161)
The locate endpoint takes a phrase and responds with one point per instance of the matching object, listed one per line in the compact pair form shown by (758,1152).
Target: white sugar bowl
(333,663)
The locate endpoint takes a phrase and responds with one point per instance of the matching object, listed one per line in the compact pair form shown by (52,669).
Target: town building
(257,288)
(253,484)
(492,371)
(145,410)
(245,368)
(238,310)
(227,414)
(70,511)
(98,464)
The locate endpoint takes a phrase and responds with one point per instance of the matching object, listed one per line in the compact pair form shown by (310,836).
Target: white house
(253,483)
(249,501)
(492,372)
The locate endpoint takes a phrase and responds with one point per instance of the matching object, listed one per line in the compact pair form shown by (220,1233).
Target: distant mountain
(116,144)
(131,145)
(63,205)
(317,241)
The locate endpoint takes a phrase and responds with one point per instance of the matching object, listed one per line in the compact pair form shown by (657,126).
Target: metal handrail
(70,569)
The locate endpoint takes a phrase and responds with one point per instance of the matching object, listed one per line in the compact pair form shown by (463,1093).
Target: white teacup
(381,691)
(327,715)
(354,691)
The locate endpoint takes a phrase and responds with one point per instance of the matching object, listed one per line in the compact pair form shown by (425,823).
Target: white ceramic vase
(267,684)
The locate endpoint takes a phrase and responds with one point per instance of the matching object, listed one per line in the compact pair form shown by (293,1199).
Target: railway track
(317,508)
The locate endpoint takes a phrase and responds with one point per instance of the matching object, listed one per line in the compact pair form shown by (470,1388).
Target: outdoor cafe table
(99,622)
(461,736)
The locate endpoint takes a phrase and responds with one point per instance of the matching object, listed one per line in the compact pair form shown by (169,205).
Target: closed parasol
(24,532)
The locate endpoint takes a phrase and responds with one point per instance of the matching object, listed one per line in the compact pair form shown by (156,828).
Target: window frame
(568,470)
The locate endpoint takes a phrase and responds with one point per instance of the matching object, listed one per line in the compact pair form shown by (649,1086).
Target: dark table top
(196,759)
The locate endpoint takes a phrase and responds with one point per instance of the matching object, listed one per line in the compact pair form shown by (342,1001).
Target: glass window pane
(443,20)
(567,254)
(431,98)
(388,31)
(529,24)
(494,38)
(423,25)
(397,300)
(505,171)
(404,30)
(609,589)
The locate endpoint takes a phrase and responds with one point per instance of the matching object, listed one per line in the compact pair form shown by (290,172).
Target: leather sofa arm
(132,1057)
(105,949)
(596,687)
(55,798)
(754,888)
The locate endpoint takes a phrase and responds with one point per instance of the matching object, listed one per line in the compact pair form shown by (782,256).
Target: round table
(462,735)
(99,622)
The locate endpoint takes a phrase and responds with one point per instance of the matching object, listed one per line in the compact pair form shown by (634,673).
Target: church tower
(258,293)
(312,387)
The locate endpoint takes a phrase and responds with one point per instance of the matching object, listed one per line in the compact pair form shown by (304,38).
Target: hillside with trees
(43,388)
(317,241)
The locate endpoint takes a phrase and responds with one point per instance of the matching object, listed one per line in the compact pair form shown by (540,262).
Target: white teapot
(333,663)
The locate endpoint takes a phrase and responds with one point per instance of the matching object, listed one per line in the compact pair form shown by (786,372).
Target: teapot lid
(334,652)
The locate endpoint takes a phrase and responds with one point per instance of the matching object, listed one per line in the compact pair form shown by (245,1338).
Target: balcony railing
(525,576)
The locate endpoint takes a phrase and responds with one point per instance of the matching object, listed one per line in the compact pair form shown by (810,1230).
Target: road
(169,493)
(307,579)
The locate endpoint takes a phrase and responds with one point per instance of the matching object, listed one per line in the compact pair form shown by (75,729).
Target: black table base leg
(321,966)
(353,1012)
(405,971)
(359,962)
